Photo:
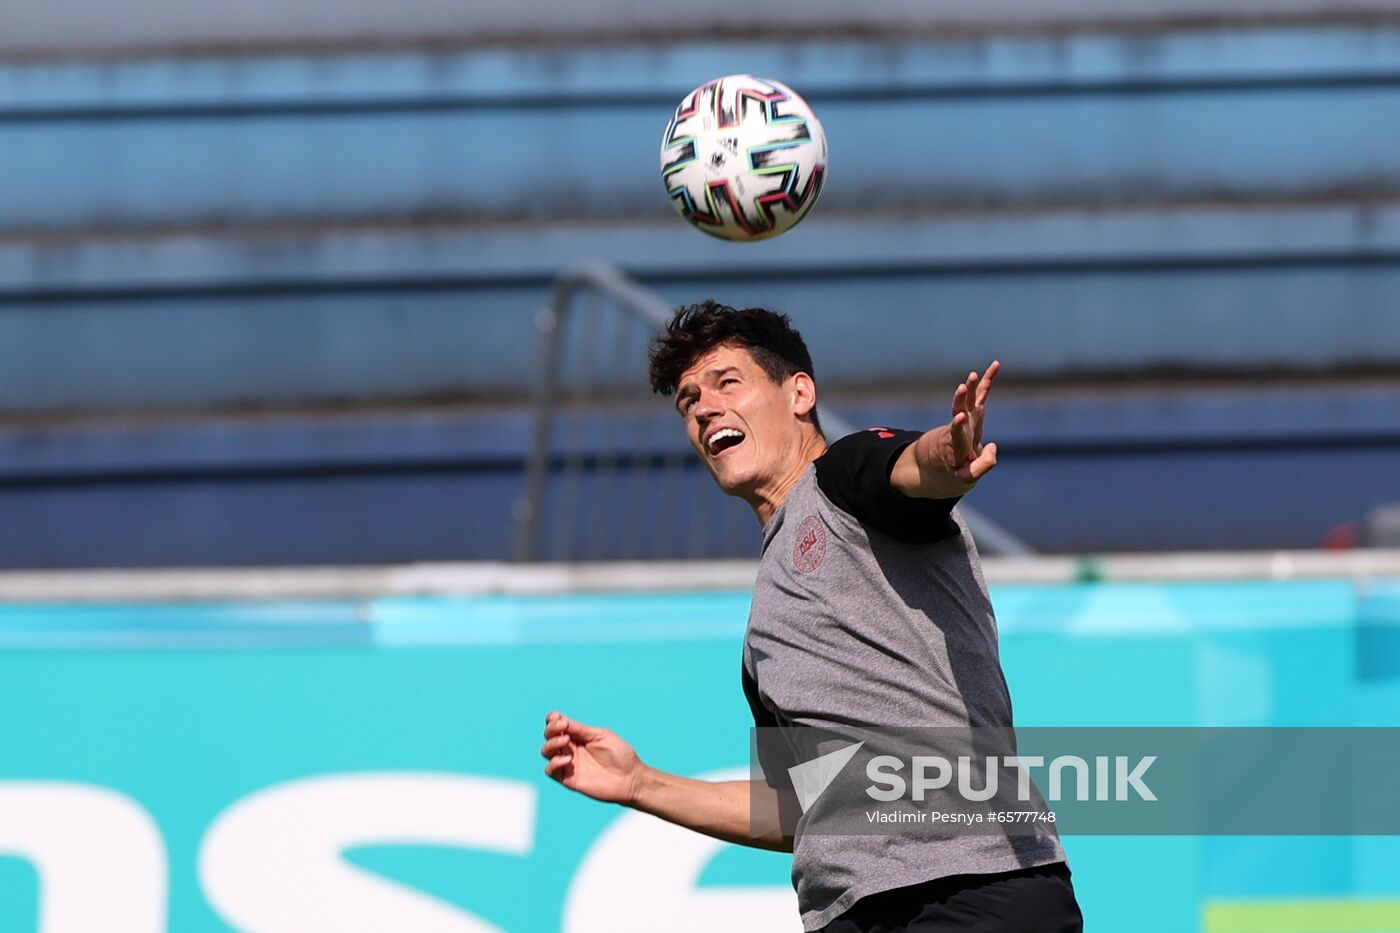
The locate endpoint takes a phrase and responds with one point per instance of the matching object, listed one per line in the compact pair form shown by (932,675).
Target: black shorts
(1027,900)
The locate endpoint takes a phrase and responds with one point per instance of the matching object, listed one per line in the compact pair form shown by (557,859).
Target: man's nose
(706,406)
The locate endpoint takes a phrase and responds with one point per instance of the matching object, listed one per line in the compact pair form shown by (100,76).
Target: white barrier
(485,579)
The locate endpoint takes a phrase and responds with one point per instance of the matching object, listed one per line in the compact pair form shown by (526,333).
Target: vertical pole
(529,508)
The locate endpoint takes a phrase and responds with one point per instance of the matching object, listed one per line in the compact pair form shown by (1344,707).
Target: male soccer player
(869,608)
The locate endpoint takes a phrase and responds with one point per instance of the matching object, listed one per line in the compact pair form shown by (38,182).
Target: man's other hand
(592,761)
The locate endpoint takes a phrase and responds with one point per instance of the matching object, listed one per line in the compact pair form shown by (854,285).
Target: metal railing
(609,476)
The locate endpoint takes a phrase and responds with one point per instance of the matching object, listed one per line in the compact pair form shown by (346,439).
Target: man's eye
(725,382)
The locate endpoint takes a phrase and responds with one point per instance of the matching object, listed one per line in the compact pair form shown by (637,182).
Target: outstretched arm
(946,462)
(597,763)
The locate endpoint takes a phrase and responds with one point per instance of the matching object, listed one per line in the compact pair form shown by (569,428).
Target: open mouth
(724,439)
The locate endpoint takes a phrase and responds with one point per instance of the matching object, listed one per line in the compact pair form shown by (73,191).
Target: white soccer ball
(743,158)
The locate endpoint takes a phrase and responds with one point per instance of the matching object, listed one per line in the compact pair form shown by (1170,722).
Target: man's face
(744,426)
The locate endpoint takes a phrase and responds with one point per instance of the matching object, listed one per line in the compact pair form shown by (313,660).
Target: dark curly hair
(695,330)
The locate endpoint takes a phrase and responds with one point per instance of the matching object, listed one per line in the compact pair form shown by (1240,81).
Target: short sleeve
(854,474)
(774,755)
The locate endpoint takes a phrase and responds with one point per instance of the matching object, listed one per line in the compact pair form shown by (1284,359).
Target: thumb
(582,733)
(984,463)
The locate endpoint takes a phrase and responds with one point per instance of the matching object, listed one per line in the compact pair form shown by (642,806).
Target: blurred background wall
(66,25)
(269,273)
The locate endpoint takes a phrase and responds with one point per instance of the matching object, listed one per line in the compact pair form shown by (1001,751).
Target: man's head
(743,384)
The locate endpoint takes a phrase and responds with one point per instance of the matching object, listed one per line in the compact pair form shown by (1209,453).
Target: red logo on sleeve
(810,547)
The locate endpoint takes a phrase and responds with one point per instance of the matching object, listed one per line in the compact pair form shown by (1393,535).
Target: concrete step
(1140,468)
(318,315)
(542,133)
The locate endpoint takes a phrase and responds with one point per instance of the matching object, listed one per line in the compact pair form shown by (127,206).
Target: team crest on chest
(810,548)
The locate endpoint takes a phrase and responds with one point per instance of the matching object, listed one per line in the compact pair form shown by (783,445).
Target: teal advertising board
(373,764)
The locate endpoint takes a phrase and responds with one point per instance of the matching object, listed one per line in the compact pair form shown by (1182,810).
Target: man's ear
(804,394)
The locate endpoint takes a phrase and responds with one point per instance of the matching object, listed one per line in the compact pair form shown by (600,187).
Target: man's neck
(767,501)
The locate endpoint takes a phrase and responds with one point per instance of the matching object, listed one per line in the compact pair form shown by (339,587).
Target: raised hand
(592,761)
(948,461)
(968,459)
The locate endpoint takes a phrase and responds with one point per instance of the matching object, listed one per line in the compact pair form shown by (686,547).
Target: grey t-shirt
(870,609)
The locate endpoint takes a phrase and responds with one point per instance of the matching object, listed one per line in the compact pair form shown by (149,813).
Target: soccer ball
(744,158)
